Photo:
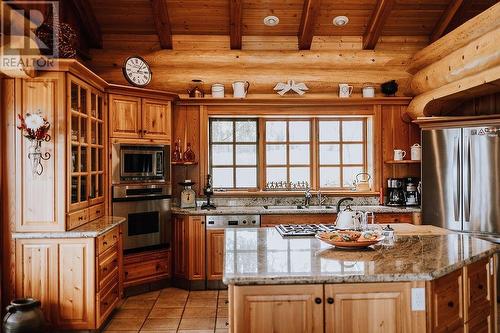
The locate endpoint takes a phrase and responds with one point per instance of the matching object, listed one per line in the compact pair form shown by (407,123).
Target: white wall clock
(137,71)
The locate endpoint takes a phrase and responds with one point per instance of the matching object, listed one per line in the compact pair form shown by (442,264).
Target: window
(342,151)
(288,152)
(233,153)
(325,152)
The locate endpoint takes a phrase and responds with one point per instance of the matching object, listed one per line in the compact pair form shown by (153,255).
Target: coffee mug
(345,90)
(399,154)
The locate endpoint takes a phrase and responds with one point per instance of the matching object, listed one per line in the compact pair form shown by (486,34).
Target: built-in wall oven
(147,210)
(139,163)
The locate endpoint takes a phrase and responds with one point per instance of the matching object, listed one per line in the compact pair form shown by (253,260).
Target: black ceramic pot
(389,88)
(24,316)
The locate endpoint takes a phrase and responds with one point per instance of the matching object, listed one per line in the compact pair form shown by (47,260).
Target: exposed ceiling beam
(83,11)
(162,23)
(236,15)
(377,21)
(307,22)
(445,19)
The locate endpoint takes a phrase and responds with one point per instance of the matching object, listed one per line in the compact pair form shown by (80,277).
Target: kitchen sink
(298,207)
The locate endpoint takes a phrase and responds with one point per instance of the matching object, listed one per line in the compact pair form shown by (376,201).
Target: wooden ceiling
(302,18)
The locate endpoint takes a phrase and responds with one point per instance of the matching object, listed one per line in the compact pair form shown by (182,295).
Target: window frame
(368,143)
(287,143)
(364,142)
(234,166)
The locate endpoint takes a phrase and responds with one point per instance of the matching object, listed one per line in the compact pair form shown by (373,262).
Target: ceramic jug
(240,89)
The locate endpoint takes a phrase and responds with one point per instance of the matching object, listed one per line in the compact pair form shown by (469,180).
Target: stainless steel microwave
(140,163)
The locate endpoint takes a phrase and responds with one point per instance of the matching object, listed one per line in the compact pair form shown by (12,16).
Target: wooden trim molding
(236,22)
(162,23)
(377,21)
(310,12)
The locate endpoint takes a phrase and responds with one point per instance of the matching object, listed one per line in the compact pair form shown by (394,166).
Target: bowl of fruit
(350,239)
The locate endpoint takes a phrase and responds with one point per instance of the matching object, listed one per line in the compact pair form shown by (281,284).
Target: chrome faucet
(307,197)
(321,198)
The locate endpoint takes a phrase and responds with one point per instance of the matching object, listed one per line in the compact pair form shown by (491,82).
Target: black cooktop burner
(297,230)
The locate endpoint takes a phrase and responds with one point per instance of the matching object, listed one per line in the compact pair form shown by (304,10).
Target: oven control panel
(232,221)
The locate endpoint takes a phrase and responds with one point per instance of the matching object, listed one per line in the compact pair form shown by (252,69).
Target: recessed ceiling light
(340,21)
(271,21)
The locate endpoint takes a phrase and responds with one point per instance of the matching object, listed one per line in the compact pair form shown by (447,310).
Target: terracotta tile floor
(172,310)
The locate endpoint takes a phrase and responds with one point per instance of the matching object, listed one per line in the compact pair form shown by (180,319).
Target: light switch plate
(418,299)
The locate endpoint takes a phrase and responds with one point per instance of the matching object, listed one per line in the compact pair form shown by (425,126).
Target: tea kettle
(362,184)
(347,219)
(196,91)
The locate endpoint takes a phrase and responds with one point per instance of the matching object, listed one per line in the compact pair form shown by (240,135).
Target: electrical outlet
(418,299)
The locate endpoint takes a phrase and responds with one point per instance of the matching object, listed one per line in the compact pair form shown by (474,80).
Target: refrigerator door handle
(456,163)
(467,178)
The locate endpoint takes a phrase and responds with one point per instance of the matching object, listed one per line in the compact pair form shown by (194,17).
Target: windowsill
(293,193)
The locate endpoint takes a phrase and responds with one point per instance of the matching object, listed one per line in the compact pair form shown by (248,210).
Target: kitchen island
(427,281)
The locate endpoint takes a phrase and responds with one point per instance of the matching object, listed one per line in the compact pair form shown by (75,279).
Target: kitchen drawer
(480,324)
(393,218)
(108,298)
(141,269)
(108,266)
(76,219)
(107,240)
(479,288)
(96,212)
(447,303)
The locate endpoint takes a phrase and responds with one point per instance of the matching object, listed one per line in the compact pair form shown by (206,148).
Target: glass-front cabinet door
(87,145)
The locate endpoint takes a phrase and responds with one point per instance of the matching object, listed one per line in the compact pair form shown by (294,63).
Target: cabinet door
(215,255)
(97,144)
(36,269)
(76,283)
(289,309)
(447,303)
(125,116)
(479,300)
(156,119)
(376,307)
(79,101)
(179,249)
(196,247)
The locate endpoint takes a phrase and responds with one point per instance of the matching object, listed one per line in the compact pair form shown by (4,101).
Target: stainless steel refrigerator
(461,179)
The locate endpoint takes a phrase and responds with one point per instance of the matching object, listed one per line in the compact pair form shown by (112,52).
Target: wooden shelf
(403,162)
(184,163)
(309,99)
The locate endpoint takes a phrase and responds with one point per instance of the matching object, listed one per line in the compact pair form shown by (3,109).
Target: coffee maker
(396,195)
(412,191)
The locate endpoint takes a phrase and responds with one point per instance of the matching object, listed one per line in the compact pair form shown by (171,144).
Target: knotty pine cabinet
(139,118)
(215,254)
(72,187)
(462,301)
(77,280)
(189,247)
(146,267)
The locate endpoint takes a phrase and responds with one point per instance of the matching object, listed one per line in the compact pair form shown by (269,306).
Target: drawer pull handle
(105,269)
(317,300)
(104,243)
(97,211)
(126,274)
(226,301)
(329,300)
(450,304)
(480,287)
(105,303)
(115,236)
(80,218)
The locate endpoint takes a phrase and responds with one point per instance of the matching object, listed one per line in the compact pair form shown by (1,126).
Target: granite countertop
(260,210)
(92,229)
(261,256)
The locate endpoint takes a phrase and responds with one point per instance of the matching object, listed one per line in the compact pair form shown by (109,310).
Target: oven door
(147,225)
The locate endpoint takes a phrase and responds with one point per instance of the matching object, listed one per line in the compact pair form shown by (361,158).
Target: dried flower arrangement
(34,127)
